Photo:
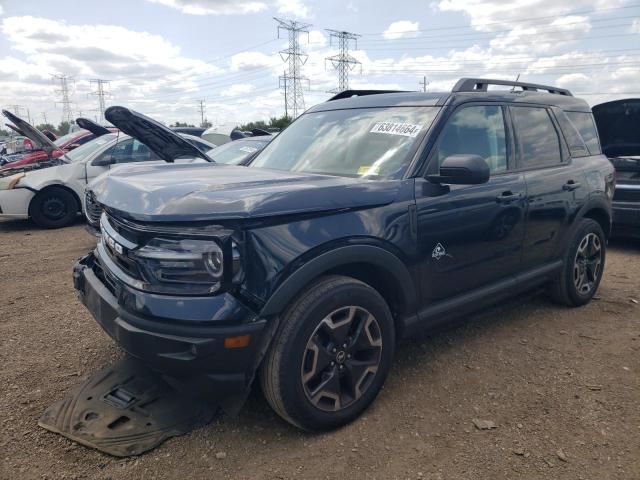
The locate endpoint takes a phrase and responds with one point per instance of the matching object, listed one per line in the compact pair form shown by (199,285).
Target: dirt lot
(562,386)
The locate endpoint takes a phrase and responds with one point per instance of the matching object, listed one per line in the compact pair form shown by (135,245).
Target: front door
(470,235)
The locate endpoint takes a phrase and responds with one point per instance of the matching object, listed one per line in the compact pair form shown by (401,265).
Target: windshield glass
(367,142)
(80,153)
(68,137)
(233,153)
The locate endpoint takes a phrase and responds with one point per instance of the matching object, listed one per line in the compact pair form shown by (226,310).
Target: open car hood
(618,125)
(32,133)
(167,144)
(15,129)
(93,127)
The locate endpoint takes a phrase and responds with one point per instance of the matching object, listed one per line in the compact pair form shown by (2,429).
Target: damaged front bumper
(183,338)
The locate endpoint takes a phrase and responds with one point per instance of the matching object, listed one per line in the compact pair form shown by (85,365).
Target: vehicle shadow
(23,225)
(626,244)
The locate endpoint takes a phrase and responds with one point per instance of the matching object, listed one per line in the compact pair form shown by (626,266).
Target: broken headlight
(182,266)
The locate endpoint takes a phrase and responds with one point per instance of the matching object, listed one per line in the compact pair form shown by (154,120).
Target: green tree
(274,123)
(63,128)
(47,126)
(182,124)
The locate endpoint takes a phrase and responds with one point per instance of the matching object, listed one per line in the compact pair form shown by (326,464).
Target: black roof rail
(481,84)
(361,93)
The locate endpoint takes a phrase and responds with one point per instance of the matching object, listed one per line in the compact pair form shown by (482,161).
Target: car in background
(239,152)
(618,125)
(51,197)
(194,131)
(62,145)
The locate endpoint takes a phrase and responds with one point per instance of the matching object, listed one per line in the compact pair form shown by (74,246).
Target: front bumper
(176,336)
(15,202)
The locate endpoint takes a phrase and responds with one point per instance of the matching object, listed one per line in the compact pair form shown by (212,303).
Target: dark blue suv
(373,217)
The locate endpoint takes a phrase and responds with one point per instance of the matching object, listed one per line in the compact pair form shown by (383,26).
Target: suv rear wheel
(583,265)
(331,355)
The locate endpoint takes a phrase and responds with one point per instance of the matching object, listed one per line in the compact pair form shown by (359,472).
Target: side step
(126,409)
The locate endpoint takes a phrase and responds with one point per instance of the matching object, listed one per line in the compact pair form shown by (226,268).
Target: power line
(343,62)
(67,114)
(202,108)
(292,80)
(100,92)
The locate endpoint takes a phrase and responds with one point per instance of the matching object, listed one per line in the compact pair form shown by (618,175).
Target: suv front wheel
(331,355)
(583,265)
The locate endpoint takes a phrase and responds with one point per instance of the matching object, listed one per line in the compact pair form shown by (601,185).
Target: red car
(65,143)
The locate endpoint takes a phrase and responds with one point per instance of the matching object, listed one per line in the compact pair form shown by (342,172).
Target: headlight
(181,266)
(8,183)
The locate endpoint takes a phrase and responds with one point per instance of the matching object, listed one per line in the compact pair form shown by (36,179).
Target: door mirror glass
(104,160)
(462,170)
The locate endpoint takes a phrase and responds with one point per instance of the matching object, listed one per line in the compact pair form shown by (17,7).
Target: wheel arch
(373,265)
(599,210)
(55,186)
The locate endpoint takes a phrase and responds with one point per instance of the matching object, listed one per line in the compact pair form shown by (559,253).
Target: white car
(51,196)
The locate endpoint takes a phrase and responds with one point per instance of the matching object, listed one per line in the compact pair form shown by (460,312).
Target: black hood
(618,125)
(93,127)
(167,144)
(15,129)
(210,192)
(32,133)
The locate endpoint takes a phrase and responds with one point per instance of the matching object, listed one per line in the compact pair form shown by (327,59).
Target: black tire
(566,288)
(54,207)
(282,373)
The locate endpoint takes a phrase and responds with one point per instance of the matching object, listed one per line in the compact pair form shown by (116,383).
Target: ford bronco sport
(373,217)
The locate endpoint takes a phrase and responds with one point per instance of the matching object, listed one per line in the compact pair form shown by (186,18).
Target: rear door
(554,186)
(471,235)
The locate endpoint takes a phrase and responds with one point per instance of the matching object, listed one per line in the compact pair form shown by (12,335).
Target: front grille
(120,258)
(93,209)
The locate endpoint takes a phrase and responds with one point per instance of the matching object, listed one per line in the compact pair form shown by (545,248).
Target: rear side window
(577,147)
(586,126)
(477,130)
(538,141)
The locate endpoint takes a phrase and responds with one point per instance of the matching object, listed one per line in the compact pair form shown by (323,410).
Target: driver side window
(477,130)
(129,150)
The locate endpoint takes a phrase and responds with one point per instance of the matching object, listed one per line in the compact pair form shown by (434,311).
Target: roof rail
(481,84)
(361,93)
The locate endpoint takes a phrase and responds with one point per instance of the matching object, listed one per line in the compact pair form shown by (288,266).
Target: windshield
(367,142)
(80,153)
(233,153)
(68,137)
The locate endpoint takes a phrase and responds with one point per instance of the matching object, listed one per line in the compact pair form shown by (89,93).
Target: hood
(15,129)
(618,125)
(39,139)
(167,144)
(210,192)
(93,127)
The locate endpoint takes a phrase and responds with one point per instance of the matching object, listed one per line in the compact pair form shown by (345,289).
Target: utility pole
(343,62)
(100,92)
(44,117)
(295,58)
(17,109)
(67,114)
(424,83)
(202,108)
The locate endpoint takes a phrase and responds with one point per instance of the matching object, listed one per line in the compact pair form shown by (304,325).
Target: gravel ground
(561,386)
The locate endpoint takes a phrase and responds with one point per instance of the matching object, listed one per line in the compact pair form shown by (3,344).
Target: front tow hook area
(126,409)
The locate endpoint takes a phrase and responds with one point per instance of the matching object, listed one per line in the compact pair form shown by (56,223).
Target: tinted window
(537,137)
(85,139)
(587,128)
(476,131)
(130,150)
(577,147)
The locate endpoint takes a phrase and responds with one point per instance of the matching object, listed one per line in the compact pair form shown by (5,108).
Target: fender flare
(598,202)
(340,256)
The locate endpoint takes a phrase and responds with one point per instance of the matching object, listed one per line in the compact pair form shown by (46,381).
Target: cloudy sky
(163,56)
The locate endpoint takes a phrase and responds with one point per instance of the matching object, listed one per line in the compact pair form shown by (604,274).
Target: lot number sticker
(395,128)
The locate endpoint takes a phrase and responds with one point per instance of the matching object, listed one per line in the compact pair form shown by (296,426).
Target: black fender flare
(337,257)
(598,202)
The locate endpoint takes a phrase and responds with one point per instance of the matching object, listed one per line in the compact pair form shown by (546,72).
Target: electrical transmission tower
(100,92)
(292,80)
(67,114)
(424,84)
(343,62)
(202,107)
(17,109)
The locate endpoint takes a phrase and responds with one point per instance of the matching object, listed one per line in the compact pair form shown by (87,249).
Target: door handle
(570,186)
(508,197)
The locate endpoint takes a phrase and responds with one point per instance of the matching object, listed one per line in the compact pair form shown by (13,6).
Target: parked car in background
(51,197)
(61,145)
(219,134)
(619,129)
(371,218)
(239,152)
(193,131)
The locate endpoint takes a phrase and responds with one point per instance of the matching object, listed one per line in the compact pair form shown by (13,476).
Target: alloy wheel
(341,358)
(587,264)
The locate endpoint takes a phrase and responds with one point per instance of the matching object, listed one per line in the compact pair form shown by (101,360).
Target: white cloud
(635,26)
(237,89)
(401,29)
(253,60)
(235,7)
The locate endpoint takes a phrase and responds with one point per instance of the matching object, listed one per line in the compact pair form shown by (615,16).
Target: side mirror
(104,161)
(462,170)
(72,146)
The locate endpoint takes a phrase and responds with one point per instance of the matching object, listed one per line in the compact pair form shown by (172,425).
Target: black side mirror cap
(103,161)
(462,170)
